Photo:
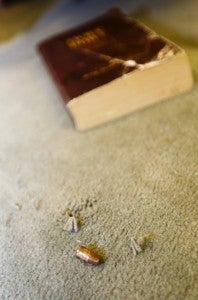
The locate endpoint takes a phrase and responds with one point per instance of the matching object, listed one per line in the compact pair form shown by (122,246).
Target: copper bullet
(88,256)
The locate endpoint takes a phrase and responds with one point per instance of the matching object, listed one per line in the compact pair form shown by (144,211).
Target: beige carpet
(21,16)
(133,177)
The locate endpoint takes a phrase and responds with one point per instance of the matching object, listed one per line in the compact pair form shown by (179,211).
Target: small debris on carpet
(72,224)
(37,203)
(8,219)
(135,247)
(18,206)
(146,240)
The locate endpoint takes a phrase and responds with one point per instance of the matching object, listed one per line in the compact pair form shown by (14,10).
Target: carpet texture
(20,17)
(133,177)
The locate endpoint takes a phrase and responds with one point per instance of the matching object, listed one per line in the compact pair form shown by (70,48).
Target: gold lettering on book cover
(86,38)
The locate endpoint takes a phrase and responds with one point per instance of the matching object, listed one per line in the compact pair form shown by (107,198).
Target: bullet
(88,256)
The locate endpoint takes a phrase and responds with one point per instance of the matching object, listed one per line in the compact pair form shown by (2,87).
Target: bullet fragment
(88,256)
(71,225)
(135,247)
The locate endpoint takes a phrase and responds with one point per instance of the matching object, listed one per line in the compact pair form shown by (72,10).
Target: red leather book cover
(94,53)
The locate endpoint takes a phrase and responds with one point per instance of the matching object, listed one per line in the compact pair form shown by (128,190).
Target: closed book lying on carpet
(112,66)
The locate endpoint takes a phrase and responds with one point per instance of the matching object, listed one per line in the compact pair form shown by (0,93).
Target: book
(113,65)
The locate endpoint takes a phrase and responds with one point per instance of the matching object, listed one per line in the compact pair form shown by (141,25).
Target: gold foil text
(88,37)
